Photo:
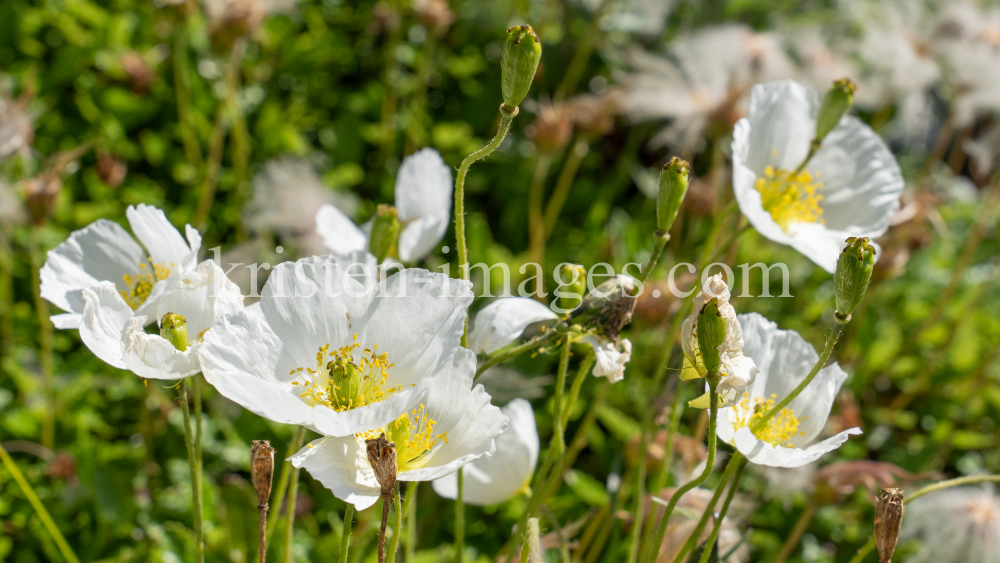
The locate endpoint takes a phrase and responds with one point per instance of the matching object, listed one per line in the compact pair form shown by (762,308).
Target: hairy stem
(293,490)
(397,525)
(386,507)
(504,355)
(411,522)
(692,540)
(722,513)
(345,534)
(189,441)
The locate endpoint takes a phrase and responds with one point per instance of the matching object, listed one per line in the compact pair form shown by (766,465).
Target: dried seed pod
(262,470)
(888,518)
(382,457)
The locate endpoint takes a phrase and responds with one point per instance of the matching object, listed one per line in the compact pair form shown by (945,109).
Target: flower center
(141,285)
(413,434)
(343,383)
(780,429)
(790,198)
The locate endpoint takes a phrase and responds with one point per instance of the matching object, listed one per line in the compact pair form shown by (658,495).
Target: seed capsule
(888,518)
(521,54)
(262,470)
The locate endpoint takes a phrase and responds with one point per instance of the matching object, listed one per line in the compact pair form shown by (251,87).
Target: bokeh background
(242,117)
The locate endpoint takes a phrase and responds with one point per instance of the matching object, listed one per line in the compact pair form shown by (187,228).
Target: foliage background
(313,84)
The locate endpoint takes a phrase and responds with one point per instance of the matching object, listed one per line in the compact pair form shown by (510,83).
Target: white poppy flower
(423,204)
(103,251)
(505,474)
(335,355)
(452,425)
(958,525)
(502,322)
(115,334)
(850,187)
(784,359)
(737,370)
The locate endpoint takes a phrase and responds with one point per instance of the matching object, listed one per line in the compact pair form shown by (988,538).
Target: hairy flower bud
(673,188)
(262,470)
(854,272)
(711,333)
(573,278)
(888,518)
(835,104)
(521,54)
(385,232)
(173,328)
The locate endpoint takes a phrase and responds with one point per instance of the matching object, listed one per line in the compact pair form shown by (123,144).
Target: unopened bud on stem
(385,232)
(574,279)
(711,334)
(854,272)
(673,188)
(888,518)
(521,54)
(835,104)
(173,328)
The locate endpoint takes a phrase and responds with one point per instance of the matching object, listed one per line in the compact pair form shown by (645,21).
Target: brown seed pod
(888,518)
(382,457)
(262,470)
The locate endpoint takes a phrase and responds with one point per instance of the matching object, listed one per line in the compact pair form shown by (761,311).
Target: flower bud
(382,457)
(835,104)
(673,188)
(888,518)
(520,61)
(173,328)
(574,278)
(854,271)
(385,232)
(262,470)
(711,334)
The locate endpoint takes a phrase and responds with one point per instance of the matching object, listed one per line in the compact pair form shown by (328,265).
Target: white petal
(104,316)
(153,357)
(341,464)
(203,296)
(610,360)
(467,416)
(502,321)
(101,251)
(420,236)
(239,357)
(423,187)
(162,240)
(782,124)
(496,478)
(763,453)
(340,235)
(66,320)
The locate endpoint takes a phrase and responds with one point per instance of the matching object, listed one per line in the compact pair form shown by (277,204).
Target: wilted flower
(451,425)
(959,525)
(737,370)
(850,187)
(104,251)
(287,194)
(784,359)
(337,355)
(423,205)
(494,479)
(504,320)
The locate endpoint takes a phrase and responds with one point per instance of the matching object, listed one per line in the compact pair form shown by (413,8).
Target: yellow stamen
(342,382)
(790,198)
(413,434)
(141,285)
(780,429)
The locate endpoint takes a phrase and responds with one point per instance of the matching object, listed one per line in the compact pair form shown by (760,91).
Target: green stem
(504,355)
(411,522)
(563,184)
(640,502)
(44,341)
(692,539)
(662,238)
(397,526)
(801,525)
(507,116)
(345,534)
(831,341)
(558,438)
(536,219)
(29,493)
(286,473)
(661,530)
(722,513)
(460,517)
(6,289)
(182,89)
(661,472)
(293,489)
(574,391)
(189,441)
(199,474)
(864,551)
